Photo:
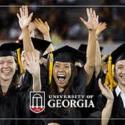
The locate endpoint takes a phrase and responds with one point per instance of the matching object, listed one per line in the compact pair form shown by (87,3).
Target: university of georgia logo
(37,101)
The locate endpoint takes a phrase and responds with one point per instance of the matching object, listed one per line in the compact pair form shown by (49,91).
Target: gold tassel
(113,75)
(50,66)
(110,71)
(109,79)
(19,61)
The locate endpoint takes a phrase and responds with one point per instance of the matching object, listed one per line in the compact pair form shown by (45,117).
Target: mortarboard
(83,48)
(67,54)
(39,44)
(118,54)
(9,49)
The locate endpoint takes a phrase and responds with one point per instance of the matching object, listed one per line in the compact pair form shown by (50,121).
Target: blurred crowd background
(63,18)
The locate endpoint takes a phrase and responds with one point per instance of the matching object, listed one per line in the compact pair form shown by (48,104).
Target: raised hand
(23,17)
(92,22)
(101,27)
(32,62)
(43,27)
(106,91)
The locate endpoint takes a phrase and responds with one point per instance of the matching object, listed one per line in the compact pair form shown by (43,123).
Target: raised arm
(98,60)
(31,55)
(91,25)
(107,110)
(24,21)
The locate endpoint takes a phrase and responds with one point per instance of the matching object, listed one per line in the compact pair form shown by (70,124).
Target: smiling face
(7,67)
(120,72)
(62,73)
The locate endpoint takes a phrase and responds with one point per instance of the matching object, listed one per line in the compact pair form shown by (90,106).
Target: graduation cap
(83,48)
(118,54)
(9,49)
(63,54)
(39,44)
(67,54)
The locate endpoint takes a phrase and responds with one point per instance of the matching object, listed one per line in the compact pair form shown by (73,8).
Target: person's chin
(7,77)
(123,82)
(61,83)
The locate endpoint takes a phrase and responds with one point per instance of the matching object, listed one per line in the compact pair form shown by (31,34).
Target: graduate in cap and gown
(9,80)
(66,80)
(113,102)
(11,97)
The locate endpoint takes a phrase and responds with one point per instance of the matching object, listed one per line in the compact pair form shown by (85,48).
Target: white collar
(118,90)
(122,94)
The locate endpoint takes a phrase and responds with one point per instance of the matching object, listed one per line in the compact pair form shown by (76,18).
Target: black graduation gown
(13,106)
(118,111)
(77,88)
(8,106)
(93,88)
(91,114)
(61,115)
(90,90)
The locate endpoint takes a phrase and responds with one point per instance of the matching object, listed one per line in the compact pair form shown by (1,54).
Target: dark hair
(67,90)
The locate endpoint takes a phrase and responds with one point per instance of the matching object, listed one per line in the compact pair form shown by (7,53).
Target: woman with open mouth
(67,79)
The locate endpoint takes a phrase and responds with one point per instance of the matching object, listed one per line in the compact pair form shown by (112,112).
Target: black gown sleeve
(78,86)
